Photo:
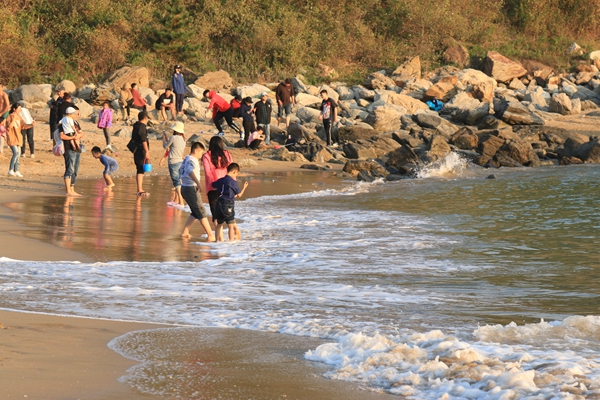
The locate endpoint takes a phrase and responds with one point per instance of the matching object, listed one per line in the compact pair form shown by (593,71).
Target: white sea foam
(453,165)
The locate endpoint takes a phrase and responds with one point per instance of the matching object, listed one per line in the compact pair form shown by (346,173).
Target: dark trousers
(248,129)
(327,127)
(179,102)
(228,115)
(106,135)
(27,138)
(130,105)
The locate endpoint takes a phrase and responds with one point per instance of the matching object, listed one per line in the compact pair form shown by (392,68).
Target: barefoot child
(110,166)
(191,190)
(228,190)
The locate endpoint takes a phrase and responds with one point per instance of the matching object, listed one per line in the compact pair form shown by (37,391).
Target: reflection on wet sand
(116,225)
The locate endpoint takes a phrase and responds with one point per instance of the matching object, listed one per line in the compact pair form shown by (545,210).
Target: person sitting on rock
(166,101)
(137,101)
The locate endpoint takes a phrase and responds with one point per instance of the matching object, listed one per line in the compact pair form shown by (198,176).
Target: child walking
(110,166)
(228,190)
(105,121)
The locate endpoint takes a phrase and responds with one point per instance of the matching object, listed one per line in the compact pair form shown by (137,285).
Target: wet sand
(58,357)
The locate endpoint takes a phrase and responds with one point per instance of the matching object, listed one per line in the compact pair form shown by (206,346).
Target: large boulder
(355,133)
(194,91)
(589,152)
(251,90)
(416,88)
(361,92)
(402,156)
(358,151)
(307,114)
(518,114)
(438,148)
(305,100)
(537,98)
(85,110)
(67,86)
(345,93)
(458,55)
(411,104)
(521,151)
(408,70)
(215,80)
(353,167)
(501,68)
(298,84)
(464,108)
(377,80)
(102,93)
(537,69)
(442,90)
(85,92)
(386,117)
(561,103)
(127,75)
(489,145)
(322,155)
(431,120)
(30,94)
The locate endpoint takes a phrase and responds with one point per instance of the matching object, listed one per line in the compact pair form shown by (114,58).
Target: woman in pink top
(215,162)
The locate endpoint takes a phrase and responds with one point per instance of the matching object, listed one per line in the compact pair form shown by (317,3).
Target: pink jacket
(105,118)
(212,173)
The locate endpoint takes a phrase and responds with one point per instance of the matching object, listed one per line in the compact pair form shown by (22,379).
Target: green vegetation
(265,40)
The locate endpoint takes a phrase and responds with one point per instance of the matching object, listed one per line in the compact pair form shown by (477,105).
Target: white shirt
(190,164)
(68,125)
(26,116)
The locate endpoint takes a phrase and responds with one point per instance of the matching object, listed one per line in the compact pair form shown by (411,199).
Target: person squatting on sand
(69,133)
(110,166)
(141,150)
(221,109)
(228,190)
(191,191)
(215,163)
(175,146)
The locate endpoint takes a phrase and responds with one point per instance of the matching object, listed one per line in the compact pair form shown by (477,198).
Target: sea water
(446,286)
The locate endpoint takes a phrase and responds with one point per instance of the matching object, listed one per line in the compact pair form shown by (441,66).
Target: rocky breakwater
(495,118)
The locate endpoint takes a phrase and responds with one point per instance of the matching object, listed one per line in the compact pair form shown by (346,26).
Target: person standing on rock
(141,154)
(178,84)
(262,111)
(328,115)
(54,104)
(221,109)
(286,98)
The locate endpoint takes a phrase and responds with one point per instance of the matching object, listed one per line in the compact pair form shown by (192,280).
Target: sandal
(143,194)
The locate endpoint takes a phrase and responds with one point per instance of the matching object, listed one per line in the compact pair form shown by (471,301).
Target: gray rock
(85,110)
(345,93)
(353,167)
(30,94)
(299,86)
(386,117)
(430,119)
(85,93)
(307,114)
(123,133)
(357,151)
(402,156)
(560,103)
(360,92)
(518,114)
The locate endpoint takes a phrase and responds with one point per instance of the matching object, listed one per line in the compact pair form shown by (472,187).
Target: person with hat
(262,111)
(71,134)
(175,146)
(178,84)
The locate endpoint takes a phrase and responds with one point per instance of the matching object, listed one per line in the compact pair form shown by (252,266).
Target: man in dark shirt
(263,110)
(54,104)
(66,103)
(286,98)
(141,155)
(328,114)
(166,101)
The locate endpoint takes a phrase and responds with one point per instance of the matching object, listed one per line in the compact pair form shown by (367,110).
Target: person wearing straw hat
(175,145)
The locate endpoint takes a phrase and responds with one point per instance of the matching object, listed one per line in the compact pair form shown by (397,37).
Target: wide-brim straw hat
(178,127)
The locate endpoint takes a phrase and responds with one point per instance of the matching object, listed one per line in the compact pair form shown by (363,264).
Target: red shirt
(217,103)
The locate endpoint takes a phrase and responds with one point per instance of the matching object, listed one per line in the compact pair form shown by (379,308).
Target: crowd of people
(220,185)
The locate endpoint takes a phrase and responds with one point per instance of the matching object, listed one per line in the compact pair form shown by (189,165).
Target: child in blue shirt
(228,190)
(110,166)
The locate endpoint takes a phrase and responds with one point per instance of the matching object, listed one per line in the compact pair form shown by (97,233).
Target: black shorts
(138,158)
(213,196)
(225,211)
